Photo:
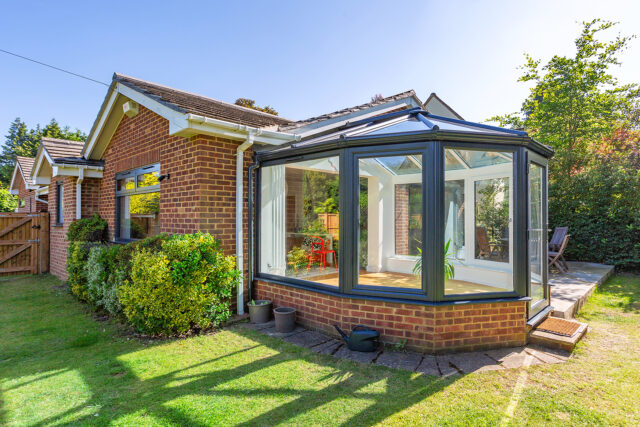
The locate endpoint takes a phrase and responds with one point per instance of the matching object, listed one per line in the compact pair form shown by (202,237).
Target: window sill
(58,225)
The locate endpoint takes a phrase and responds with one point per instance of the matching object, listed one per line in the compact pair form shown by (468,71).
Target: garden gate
(24,243)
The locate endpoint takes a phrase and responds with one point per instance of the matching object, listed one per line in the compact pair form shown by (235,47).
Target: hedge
(164,285)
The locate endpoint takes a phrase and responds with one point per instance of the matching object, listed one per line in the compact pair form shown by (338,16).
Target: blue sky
(302,58)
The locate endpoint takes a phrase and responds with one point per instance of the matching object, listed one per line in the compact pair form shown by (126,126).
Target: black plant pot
(260,312)
(285,319)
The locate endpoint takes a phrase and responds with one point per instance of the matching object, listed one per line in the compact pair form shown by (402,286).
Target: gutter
(240,217)
(242,129)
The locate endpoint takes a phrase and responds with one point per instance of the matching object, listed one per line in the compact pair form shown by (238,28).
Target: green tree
(22,141)
(8,202)
(576,101)
(250,103)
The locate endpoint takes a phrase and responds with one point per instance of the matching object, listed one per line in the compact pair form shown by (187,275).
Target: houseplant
(259,311)
(449,270)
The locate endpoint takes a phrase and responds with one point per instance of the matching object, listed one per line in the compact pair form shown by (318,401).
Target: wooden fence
(24,243)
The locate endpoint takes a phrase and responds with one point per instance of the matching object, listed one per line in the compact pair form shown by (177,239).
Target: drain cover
(554,325)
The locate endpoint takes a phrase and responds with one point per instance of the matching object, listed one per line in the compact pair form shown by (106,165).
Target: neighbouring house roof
(23,166)
(187,102)
(345,111)
(435,105)
(59,148)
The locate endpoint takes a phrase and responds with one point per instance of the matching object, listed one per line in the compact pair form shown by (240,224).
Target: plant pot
(285,319)
(260,312)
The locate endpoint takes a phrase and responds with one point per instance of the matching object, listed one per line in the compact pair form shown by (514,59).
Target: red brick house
(22,186)
(339,206)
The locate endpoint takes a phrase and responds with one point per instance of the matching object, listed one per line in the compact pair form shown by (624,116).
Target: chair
(556,259)
(558,237)
(485,248)
(319,251)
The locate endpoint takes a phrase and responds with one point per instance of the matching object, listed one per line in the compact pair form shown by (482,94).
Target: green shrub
(601,206)
(77,256)
(92,229)
(187,284)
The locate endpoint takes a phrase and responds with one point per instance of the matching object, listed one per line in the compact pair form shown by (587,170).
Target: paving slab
(511,358)
(328,347)
(258,326)
(358,356)
(569,291)
(307,338)
(444,366)
(548,355)
(429,366)
(408,361)
(473,362)
(271,331)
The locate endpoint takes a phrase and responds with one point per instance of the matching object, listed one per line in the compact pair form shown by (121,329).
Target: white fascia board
(85,171)
(41,156)
(42,190)
(97,129)
(377,110)
(205,125)
(43,180)
(13,176)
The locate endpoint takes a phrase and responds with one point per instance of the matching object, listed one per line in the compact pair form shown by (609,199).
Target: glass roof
(401,165)
(471,159)
(410,125)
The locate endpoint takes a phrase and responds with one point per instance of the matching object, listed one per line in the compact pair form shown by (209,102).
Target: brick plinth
(429,328)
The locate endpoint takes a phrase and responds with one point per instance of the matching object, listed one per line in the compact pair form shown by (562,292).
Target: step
(551,340)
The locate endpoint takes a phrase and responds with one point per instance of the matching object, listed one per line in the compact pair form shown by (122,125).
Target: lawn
(59,364)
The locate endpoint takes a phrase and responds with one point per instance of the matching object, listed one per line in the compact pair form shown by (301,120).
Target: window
(59,203)
(478,221)
(390,192)
(138,203)
(21,203)
(299,220)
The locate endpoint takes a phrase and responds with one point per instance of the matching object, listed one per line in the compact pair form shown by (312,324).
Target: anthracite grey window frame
(120,193)
(59,203)
(432,148)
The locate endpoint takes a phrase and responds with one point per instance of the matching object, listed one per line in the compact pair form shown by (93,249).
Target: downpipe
(239,218)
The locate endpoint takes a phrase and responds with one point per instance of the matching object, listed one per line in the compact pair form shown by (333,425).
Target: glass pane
(454,218)
(492,219)
(139,215)
(411,125)
(126,184)
(300,219)
(148,179)
(389,256)
(477,222)
(537,237)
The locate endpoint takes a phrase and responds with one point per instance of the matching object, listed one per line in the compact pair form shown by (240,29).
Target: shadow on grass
(119,392)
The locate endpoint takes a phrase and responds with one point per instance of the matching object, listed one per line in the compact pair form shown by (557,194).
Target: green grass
(60,365)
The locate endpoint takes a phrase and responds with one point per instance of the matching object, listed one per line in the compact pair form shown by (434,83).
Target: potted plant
(259,311)
(449,269)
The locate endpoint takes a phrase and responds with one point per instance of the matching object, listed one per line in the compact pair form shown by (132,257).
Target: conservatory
(395,220)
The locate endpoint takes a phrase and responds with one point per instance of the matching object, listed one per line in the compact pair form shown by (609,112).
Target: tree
(250,103)
(22,141)
(575,101)
(8,202)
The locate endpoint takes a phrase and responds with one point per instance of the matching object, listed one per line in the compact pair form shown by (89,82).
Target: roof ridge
(49,139)
(239,107)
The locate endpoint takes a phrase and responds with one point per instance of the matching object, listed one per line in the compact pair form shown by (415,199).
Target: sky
(303,58)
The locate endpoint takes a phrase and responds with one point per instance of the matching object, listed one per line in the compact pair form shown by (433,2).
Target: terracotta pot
(285,319)
(260,312)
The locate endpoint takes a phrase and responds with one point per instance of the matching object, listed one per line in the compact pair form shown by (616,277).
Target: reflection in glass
(148,179)
(300,220)
(454,217)
(492,219)
(537,238)
(390,192)
(139,215)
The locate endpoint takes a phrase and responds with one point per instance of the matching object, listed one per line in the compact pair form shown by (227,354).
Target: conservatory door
(538,288)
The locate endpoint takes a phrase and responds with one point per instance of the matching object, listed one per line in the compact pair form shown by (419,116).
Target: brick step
(547,339)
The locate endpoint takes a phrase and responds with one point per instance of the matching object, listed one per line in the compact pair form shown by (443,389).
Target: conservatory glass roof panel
(464,159)
(401,165)
(409,125)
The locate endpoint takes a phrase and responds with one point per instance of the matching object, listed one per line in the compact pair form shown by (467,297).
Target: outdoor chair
(319,252)
(556,259)
(558,237)
(485,248)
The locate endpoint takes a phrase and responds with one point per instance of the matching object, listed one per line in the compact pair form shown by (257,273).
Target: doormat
(555,325)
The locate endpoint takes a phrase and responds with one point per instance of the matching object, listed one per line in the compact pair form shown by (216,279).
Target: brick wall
(29,197)
(58,233)
(431,328)
(402,218)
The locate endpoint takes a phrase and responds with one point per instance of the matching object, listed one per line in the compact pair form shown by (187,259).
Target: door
(537,232)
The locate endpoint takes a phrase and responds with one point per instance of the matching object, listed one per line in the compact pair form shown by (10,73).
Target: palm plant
(449,269)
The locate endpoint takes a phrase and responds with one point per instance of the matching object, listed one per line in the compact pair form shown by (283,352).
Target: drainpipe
(79,193)
(240,215)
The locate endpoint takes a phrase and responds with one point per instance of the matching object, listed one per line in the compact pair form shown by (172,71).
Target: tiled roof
(344,111)
(26,165)
(58,148)
(186,102)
